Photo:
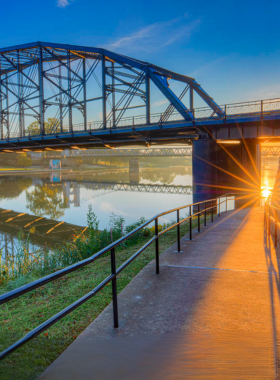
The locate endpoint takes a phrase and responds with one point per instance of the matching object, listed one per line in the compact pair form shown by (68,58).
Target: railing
(202,208)
(271,216)
(259,108)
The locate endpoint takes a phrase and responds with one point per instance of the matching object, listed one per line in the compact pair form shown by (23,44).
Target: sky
(230,47)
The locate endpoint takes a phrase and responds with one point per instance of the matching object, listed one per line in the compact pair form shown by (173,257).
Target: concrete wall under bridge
(221,167)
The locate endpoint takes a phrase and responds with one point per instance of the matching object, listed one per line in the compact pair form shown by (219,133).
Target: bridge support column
(228,167)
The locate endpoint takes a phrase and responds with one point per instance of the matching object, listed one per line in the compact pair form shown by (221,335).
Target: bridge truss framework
(49,91)
(41,77)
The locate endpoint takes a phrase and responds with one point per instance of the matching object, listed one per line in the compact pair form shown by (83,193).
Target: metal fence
(271,221)
(195,210)
(259,108)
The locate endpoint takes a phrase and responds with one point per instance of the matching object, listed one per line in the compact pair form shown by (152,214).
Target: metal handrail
(226,107)
(130,120)
(114,272)
(268,218)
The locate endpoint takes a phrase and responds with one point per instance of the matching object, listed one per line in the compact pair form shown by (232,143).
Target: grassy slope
(25,313)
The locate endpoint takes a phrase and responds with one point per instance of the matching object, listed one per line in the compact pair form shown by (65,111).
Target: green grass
(21,315)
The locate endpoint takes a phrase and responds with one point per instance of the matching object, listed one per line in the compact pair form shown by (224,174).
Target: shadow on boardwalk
(212,313)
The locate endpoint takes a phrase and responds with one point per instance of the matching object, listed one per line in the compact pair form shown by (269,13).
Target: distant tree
(51,125)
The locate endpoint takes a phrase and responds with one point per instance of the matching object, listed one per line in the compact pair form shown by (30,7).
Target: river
(51,206)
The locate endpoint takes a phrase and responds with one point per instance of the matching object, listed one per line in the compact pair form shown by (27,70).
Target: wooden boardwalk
(212,313)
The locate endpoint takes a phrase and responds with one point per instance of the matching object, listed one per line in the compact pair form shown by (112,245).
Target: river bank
(23,314)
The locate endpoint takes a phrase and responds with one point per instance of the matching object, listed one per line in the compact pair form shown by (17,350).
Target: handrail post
(226,203)
(275,229)
(190,222)
(212,212)
(114,288)
(198,218)
(157,246)
(205,214)
(178,231)
(219,207)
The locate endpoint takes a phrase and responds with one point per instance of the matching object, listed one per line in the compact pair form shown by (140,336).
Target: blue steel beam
(162,84)
(41,93)
(148,103)
(84,94)
(1,108)
(104,92)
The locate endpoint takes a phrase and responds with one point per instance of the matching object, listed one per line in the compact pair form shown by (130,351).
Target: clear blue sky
(231,47)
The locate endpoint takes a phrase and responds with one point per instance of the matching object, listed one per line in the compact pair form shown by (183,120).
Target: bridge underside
(220,168)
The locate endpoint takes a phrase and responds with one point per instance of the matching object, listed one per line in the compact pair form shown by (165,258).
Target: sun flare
(266,192)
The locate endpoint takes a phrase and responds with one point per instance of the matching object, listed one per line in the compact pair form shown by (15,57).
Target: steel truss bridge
(270,150)
(51,95)
(146,152)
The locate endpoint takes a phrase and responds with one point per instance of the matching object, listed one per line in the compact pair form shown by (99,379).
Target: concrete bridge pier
(225,167)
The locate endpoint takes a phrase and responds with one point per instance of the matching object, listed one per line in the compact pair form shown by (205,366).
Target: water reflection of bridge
(144,188)
(42,231)
(72,195)
(71,190)
(14,226)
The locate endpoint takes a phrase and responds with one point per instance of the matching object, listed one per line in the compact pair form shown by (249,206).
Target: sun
(266,192)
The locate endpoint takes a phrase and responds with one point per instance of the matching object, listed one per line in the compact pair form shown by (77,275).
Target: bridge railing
(255,108)
(258,107)
(195,210)
(271,221)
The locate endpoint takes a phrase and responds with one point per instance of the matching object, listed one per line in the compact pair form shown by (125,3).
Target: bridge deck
(212,313)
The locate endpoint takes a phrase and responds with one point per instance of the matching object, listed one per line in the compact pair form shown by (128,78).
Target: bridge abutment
(225,167)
